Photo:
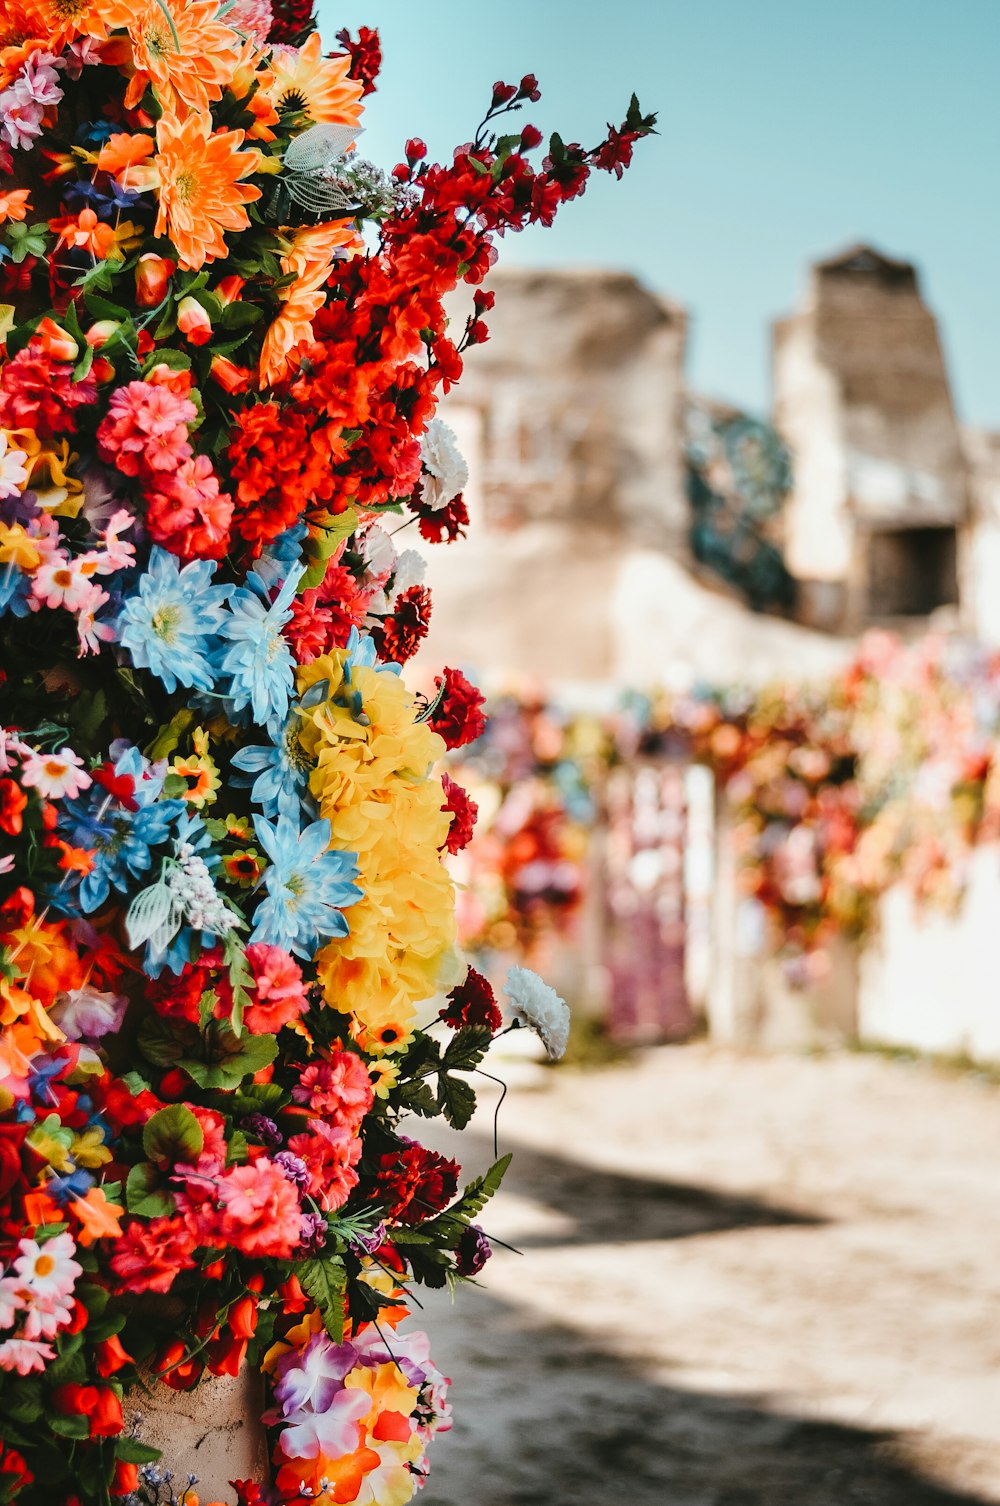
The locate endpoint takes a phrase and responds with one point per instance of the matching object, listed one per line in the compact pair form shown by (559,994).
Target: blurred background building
(741,546)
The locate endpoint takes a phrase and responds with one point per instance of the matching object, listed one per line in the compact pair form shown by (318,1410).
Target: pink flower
(117,553)
(280,992)
(89,631)
(338,1088)
(57,776)
(62,582)
(330,1154)
(25,1355)
(188,514)
(261,1213)
(146,429)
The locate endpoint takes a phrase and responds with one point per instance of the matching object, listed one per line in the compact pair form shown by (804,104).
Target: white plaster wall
(930,981)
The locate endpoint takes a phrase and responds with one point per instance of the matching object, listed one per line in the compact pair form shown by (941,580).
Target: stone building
(585,562)
(880,496)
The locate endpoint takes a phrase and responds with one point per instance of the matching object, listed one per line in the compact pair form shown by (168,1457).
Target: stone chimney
(861,396)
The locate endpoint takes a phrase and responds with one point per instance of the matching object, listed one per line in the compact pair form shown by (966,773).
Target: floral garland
(888,772)
(224,915)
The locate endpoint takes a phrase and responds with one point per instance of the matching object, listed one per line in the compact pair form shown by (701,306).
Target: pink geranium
(146,429)
(339,1088)
(330,1155)
(188,514)
(280,991)
(261,1212)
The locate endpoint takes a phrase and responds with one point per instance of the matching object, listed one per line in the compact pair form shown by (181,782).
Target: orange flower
(123,150)
(98,1216)
(188,62)
(200,192)
(305,82)
(13,204)
(85,232)
(60,21)
(310,258)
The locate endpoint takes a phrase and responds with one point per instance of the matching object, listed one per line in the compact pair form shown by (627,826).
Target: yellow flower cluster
(373,781)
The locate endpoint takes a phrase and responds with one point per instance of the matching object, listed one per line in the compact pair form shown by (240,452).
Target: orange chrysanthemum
(62,21)
(188,62)
(200,192)
(302,80)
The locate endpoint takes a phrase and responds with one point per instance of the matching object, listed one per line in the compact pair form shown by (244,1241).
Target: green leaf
(176,360)
(238,1148)
(145,1193)
(456,1100)
(232,1059)
(258,1098)
(69,1427)
(134,1452)
(473,1200)
(418,1098)
(325,1281)
(466,1049)
(173,1134)
(136,1083)
(162,1043)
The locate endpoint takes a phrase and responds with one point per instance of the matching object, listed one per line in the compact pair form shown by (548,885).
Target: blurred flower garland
(889,772)
(223,910)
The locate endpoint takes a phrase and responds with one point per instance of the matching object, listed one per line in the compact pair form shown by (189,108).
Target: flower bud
(416,150)
(98,334)
(152,277)
(193,321)
(230,377)
(56,342)
(230,288)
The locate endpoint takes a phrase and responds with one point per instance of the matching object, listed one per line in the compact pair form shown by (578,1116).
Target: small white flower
(49,1270)
(13,471)
(534,1004)
(446,472)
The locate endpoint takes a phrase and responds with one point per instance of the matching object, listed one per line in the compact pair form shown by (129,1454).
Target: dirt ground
(743,1282)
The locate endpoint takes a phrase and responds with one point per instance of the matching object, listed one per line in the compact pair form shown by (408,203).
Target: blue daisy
(307,886)
(254,663)
(170,621)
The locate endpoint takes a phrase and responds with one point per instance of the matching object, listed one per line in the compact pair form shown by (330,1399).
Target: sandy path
(744,1282)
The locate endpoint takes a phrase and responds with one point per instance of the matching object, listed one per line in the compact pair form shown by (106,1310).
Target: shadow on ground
(603,1206)
(544,1417)
(547,1420)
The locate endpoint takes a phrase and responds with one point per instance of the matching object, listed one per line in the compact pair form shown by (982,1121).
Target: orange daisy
(187,62)
(303,81)
(200,192)
(62,21)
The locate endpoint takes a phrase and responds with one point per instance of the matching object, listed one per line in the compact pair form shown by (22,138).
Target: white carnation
(411,567)
(534,1004)
(378,552)
(445,471)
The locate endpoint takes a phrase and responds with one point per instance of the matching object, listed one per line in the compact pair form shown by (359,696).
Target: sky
(788,130)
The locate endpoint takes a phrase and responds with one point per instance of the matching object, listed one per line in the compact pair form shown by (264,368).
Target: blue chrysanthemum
(307,886)
(277,774)
(170,622)
(255,664)
(121,832)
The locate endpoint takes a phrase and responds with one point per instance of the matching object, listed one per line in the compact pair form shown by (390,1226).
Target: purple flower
(368,1241)
(473,1251)
(85,1014)
(314,1232)
(292,1167)
(265,1129)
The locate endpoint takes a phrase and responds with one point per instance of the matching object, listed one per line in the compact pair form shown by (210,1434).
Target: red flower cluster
(398,637)
(473,1003)
(464,812)
(415,1183)
(458,711)
(366,56)
(38,392)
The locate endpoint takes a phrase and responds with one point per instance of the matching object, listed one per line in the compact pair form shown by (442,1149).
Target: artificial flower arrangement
(223,903)
(888,772)
(522,881)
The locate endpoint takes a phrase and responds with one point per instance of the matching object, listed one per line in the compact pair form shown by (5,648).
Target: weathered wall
(981,555)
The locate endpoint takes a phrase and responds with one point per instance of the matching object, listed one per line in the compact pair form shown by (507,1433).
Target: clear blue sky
(789,128)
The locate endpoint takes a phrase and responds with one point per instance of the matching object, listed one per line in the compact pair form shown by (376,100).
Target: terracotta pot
(213,1432)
